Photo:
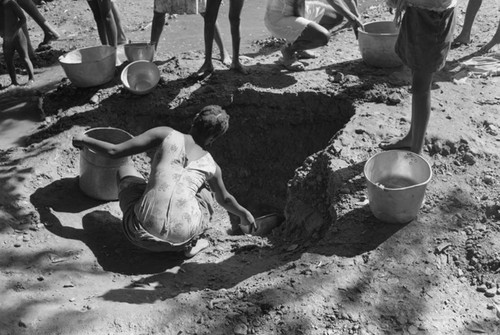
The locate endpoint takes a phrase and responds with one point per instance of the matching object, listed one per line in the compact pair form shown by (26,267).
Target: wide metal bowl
(92,66)
(140,77)
(139,51)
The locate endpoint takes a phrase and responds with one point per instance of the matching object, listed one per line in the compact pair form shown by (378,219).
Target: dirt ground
(296,146)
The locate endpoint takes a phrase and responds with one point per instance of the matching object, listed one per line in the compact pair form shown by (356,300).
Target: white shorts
(291,27)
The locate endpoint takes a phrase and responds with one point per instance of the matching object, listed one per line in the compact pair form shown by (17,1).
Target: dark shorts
(131,191)
(425,38)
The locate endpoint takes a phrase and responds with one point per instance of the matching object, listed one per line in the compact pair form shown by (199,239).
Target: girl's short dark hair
(212,120)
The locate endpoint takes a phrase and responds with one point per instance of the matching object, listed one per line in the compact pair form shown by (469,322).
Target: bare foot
(225,59)
(49,37)
(205,70)
(460,40)
(238,68)
(290,61)
(396,143)
(306,54)
(200,245)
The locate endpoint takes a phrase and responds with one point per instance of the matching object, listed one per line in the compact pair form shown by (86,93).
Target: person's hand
(357,24)
(247,223)
(78,141)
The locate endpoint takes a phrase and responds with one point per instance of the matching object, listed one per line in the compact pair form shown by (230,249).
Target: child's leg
(94,7)
(31,51)
(8,54)
(235,7)
(420,108)
(470,14)
(21,45)
(224,56)
(210,18)
(49,31)
(494,41)
(108,20)
(121,37)
(157,27)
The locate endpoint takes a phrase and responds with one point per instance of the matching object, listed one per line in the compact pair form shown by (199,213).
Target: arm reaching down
(226,200)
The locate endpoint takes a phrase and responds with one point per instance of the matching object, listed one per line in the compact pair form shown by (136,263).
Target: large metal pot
(92,66)
(377,42)
(98,173)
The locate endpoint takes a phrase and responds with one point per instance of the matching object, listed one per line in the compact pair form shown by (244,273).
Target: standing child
(14,39)
(425,37)
(210,16)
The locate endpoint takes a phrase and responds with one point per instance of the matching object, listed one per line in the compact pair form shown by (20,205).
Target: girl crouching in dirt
(12,19)
(172,209)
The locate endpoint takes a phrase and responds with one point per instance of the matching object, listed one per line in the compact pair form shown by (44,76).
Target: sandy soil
(297,145)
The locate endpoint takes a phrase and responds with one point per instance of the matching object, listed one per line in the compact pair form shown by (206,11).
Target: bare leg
(157,28)
(210,18)
(420,114)
(101,30)
(224,55)
(50,33)
(235,7)
(8,53)
(109,21)
(21,45)
(470,14)
(121,37)
(494,41)
(31,51)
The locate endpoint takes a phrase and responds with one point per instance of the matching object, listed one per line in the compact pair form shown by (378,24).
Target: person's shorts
(291,27)
(165,6)
(131,190)
(425,38)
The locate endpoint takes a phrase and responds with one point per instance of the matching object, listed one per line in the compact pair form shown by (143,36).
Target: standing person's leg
(121,37)
(224,55)
(109,21)
(494,41)
(159,13)
(50,33)
(470,14)
(235,7)
(21,45)
(8,54)
(101,30)
(210,18)
(420,108)
(31,51)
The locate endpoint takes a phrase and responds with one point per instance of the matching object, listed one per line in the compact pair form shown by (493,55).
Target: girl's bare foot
(238,68)
(396,143)
(205,70)
(460,40)
(225,58)
(200,245)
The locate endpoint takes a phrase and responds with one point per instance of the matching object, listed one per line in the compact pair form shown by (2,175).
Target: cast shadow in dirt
(99,230)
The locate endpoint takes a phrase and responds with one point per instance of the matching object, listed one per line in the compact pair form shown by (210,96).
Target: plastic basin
(98,172)
(92,66)
(377,42)
(396,183)
(139,51)
(140,77)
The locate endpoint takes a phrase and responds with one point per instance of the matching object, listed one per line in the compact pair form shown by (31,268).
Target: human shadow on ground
(100,230)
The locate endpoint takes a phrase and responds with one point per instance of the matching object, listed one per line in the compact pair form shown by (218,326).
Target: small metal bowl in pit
(139,51)
(140,77)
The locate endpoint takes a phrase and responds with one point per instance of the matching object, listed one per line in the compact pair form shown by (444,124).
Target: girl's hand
(357,24)
(78,141)
(247,223)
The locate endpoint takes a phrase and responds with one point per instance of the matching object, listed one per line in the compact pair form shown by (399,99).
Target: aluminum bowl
(140,77)
(92,66)
(139,51)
